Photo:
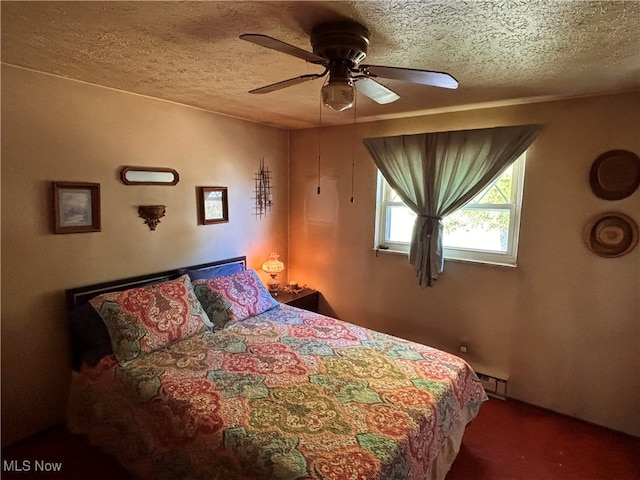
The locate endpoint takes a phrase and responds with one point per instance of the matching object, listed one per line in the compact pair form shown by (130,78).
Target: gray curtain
(436,173)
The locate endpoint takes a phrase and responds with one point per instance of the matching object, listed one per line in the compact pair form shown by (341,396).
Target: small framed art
(213,205)
(76,207)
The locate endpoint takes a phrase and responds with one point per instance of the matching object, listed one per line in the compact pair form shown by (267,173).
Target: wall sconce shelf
(151,214)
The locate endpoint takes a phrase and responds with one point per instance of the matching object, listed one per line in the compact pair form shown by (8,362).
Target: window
(484,230)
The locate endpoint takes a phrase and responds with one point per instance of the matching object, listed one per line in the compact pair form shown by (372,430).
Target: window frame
(509,258)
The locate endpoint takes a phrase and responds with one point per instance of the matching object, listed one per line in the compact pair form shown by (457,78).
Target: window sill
(447,259)
(389,251)
(482,262)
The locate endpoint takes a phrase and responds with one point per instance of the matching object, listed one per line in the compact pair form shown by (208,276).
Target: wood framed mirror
(149,176)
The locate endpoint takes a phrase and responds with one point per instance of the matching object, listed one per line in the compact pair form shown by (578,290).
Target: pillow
(214,271)
(89,337)
(214,304)
(144,319)
(244,291)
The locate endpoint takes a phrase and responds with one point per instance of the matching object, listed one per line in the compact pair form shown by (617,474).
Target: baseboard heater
(494,386)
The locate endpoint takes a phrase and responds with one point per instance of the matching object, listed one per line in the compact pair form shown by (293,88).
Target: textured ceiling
(190,53)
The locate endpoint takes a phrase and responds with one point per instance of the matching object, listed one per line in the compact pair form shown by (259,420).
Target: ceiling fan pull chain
(353,145)
(319,141)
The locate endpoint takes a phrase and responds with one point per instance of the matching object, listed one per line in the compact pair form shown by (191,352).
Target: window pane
(400,220)
(476,229)
(393,196)
(499,192)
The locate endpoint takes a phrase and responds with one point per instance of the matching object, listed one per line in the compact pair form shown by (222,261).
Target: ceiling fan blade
(375,91)
(425,77)
(287,83)
(269,42)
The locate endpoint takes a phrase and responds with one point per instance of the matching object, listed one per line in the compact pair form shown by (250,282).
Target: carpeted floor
(509,440)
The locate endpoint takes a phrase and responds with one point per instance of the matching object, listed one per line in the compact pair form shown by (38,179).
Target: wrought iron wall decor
(263,196)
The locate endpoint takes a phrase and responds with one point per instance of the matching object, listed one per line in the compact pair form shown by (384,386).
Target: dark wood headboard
(81,295)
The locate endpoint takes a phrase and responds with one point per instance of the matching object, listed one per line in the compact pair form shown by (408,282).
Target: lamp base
(274,288)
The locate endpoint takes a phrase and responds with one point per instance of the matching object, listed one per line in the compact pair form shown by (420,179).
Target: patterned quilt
(287,394)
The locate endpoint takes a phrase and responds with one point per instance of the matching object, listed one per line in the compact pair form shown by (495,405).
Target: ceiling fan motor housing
(341,42)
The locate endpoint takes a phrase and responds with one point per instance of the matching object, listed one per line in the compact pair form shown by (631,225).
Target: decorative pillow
(244,291)
(214,304)
(144,319)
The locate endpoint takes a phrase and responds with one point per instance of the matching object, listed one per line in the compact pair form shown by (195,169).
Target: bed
(198,373)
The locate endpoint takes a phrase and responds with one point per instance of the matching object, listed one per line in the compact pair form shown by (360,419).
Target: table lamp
(273,267)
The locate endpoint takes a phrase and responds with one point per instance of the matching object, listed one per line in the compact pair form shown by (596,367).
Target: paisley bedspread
(287,394)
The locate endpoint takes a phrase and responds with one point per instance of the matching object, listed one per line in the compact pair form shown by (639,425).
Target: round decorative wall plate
(611,234)
(615,174)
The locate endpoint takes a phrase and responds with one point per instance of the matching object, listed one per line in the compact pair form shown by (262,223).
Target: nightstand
(307,299)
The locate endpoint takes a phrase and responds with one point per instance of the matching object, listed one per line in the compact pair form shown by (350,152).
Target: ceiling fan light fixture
(338,94)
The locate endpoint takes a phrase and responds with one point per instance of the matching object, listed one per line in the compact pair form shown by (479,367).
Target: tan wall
(60,130)
(564,326)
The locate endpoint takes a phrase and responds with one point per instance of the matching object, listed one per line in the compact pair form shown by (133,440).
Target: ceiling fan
(340,47)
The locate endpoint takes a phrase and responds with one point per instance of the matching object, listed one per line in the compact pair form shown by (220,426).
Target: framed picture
(76,207)
(213,205)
